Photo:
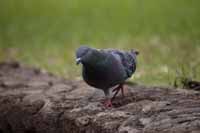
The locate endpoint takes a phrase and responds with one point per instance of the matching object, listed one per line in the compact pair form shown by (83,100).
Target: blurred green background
(45,34)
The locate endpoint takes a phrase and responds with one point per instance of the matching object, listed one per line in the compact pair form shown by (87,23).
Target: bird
(106,68)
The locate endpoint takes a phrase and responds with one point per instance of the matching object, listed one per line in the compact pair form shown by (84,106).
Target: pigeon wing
(126,59)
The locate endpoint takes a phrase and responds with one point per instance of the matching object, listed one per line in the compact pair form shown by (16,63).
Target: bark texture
(34,101)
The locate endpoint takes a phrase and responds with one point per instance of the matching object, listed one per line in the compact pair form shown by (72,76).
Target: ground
(35,101)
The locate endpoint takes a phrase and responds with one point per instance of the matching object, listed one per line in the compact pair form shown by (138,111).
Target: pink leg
(122,90)
(108,103)
(117,89)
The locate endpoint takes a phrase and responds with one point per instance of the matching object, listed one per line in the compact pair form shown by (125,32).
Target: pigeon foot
(108,103)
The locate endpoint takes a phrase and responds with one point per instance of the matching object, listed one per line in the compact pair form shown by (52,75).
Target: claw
(108,103)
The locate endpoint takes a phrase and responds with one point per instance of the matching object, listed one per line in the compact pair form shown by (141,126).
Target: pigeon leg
(122,90)
(108,102)
(117,89)
(116,92)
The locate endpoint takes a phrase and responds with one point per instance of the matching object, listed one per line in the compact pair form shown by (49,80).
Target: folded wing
(127,59)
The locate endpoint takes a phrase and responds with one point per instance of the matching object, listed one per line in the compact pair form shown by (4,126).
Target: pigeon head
(88,56)
(81,53)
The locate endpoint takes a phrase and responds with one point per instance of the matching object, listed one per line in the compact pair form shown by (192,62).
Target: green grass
(45,33)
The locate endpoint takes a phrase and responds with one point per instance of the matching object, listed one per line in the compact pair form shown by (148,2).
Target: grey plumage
(106,68)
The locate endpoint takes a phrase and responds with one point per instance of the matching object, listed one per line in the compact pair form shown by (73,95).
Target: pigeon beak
(78,61)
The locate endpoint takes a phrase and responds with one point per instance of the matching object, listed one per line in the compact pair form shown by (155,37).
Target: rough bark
(33,101)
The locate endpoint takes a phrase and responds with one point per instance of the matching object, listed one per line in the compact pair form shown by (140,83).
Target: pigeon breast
(105,72)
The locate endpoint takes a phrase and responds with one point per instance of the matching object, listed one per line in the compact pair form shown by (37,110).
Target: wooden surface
(34,101)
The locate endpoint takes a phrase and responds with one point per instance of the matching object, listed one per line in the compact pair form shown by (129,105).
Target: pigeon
(106,68)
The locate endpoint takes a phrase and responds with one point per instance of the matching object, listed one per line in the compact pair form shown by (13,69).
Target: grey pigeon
(104,69)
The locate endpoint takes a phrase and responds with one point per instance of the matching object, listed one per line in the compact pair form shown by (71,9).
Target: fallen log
(34,101)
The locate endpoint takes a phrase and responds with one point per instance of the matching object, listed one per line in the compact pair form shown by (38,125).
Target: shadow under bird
(106,68)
